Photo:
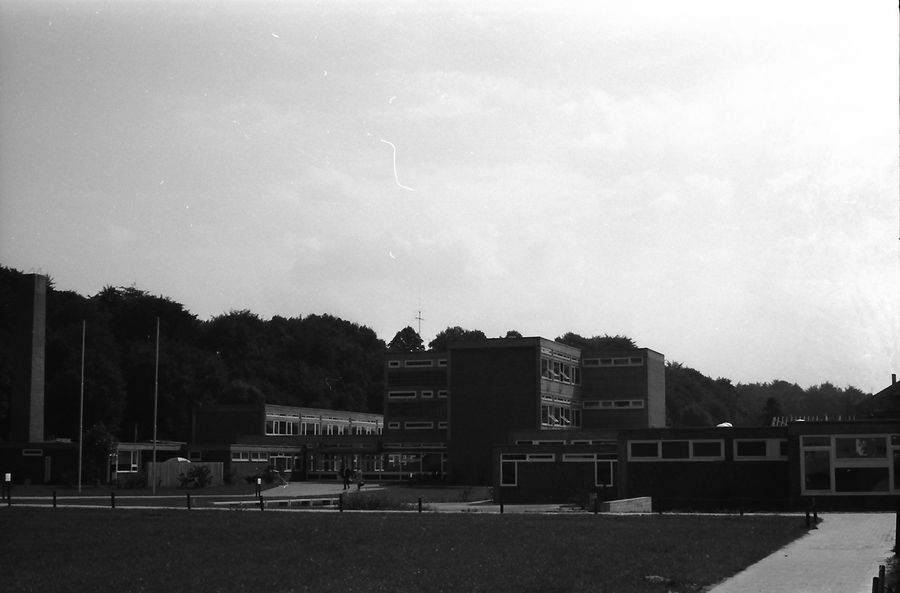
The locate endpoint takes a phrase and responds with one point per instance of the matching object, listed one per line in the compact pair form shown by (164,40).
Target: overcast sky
(716,180)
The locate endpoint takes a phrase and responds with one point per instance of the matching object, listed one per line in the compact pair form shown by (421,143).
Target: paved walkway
(841,556)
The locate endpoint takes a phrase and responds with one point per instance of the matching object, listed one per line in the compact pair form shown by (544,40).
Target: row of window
(613,404)
(560,417)
(288,428)
(417,425)
(604,468)
(707,450)
(563,372)
(610,362)
(412,394)
(396,364)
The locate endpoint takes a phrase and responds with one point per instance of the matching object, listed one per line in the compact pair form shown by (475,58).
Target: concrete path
(841,556)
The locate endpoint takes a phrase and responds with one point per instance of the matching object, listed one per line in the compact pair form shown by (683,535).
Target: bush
(199,476)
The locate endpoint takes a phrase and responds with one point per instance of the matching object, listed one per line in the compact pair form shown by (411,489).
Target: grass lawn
(45,549)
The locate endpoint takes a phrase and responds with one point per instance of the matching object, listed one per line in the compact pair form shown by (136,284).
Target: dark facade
(839,465)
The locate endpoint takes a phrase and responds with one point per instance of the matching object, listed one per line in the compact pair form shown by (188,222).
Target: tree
(597,343)
(455,334)
(771,410)
(406,340)
(512,334)
(97,445)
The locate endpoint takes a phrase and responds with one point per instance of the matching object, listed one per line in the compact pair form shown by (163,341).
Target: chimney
(27,401)
(893,378)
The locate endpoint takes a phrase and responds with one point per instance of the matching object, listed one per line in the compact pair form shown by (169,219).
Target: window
(508,473)
(259,456)
(816,470)
(427,394)
(759,449)
(394,364)
(32,452)
(401,394)
(394,425)
(442,393)
(419,425)
(442,362)
(750,448)
(709,449)
(644,450)
(604,472)
(676,450)
(240,456)
(860,447)
(418,363)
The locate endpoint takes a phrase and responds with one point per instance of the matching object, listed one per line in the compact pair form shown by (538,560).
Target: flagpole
(155,399)
(81,406)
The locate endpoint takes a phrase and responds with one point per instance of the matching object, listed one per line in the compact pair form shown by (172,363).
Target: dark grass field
(48,550)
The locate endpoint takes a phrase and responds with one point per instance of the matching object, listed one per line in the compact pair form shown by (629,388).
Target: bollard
(54,499)
(420,504)
(807,518)
(112,500)
(262,504)
(596,504)
(501,507)
(341,503)
(188,501)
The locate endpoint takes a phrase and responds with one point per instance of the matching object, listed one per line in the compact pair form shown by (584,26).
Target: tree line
(316,361)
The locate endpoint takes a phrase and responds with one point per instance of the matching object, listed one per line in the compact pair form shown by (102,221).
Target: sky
(717,181)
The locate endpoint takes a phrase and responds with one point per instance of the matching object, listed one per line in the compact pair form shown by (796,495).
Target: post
(875,585)
(262,505)
(81,406)
(54,499)
(155,399)
(420,504)
(112,500)
(341,503)
(897,533)
(188,501)
(881,580)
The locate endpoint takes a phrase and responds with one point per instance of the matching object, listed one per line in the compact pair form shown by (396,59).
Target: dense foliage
(318,361)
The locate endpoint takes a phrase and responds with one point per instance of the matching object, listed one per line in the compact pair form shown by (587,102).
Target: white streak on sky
(396,177)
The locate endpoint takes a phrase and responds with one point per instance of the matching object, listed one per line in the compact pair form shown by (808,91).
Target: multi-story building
(446,411)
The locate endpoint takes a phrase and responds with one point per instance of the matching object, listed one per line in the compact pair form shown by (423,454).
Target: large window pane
(860,448)
(676,450)
(861,479)
(817,470)
(508,473)
(644,449)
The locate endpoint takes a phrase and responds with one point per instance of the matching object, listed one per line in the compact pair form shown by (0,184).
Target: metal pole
(155,398)
(81,406)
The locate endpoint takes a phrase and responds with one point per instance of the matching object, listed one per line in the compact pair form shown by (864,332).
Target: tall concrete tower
(27,402)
